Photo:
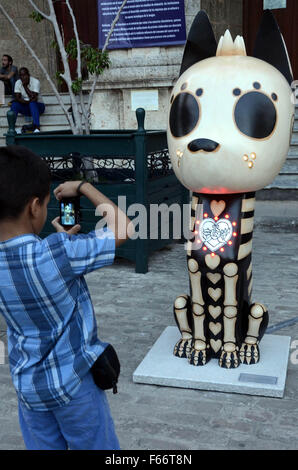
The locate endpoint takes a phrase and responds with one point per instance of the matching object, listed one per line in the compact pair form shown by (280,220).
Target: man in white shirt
(28,100)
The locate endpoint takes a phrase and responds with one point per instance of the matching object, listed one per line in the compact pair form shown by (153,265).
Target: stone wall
(154,69)
(224,14)
(39,37)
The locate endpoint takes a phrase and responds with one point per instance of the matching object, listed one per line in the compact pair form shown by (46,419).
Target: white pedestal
(267,378)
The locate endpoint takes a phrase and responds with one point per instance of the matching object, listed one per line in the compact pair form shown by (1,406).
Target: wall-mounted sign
(147,99)
(274,4)
(143,23)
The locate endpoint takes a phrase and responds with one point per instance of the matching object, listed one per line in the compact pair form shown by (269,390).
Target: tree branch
(75,30)
(116,19)
(38,10)
(34,55)
(67,75)
(103,50)
(79,65)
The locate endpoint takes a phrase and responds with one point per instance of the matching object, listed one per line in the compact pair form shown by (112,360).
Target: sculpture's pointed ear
(201,42)
(270,46)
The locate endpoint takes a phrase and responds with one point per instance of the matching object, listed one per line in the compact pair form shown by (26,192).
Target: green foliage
(93,60)
(77,85)
(96,61)
(36,17)
(59,78)
(54,44)
(71,49)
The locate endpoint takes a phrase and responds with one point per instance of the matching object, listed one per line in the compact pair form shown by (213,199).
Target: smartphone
(69,212)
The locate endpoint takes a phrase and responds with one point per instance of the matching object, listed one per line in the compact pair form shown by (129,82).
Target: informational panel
(142,23)
(274,4)
(147,99)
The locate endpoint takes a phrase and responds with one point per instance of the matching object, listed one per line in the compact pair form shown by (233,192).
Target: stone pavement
(132,311)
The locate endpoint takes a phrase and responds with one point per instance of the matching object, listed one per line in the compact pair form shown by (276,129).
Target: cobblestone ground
(133,310)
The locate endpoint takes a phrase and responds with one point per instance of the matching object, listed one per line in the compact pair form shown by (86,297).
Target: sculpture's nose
(203,144)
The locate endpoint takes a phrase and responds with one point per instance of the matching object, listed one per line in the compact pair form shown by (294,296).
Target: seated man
(8,74)
(28,100)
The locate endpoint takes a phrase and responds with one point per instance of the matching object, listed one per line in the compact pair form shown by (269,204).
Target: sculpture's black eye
(255,115)
(184,114)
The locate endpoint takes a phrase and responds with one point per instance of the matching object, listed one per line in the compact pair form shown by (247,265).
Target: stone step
(52,99)
(53,118)
(284,182)
(293,152)
(48,100)
(290,167)
(45,119)
(50,109)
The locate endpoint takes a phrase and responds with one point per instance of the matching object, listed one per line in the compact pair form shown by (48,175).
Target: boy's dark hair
(9,58)
(23,176)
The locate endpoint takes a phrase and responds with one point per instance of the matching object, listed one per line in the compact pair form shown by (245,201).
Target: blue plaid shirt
(51,326)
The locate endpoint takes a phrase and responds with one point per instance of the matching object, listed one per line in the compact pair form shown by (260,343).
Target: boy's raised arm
(116,219)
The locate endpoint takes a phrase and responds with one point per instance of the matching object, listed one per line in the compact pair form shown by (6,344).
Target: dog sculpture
(230,125)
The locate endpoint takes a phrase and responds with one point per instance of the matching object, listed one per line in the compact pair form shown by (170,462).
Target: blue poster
(143,23)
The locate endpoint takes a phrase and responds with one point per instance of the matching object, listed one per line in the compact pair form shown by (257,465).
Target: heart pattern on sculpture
(215,345)
(215,234)
(214,278)
(217,207)
(215,328)
(214,311)
(212,261)
(214,293)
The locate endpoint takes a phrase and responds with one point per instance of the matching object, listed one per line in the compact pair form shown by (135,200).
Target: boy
(51,327)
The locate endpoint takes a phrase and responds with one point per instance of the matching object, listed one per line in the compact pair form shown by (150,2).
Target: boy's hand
(68,189)
(73,231)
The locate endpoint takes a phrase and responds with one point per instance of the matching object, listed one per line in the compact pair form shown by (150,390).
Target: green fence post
(141,188)
(10,136)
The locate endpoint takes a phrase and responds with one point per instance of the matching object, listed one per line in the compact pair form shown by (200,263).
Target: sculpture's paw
(249,353)
(229,358)
(197,358)
(183,348)
(199,354)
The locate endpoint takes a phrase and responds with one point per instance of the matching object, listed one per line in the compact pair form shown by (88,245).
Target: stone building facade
(155,69)
(152,69)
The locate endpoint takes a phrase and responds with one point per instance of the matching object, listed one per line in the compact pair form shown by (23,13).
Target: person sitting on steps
(8,75)
(28,100)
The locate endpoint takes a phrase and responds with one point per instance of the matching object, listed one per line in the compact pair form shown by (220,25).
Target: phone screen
(68,213)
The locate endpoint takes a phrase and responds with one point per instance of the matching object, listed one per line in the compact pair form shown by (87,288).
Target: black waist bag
(106,370)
